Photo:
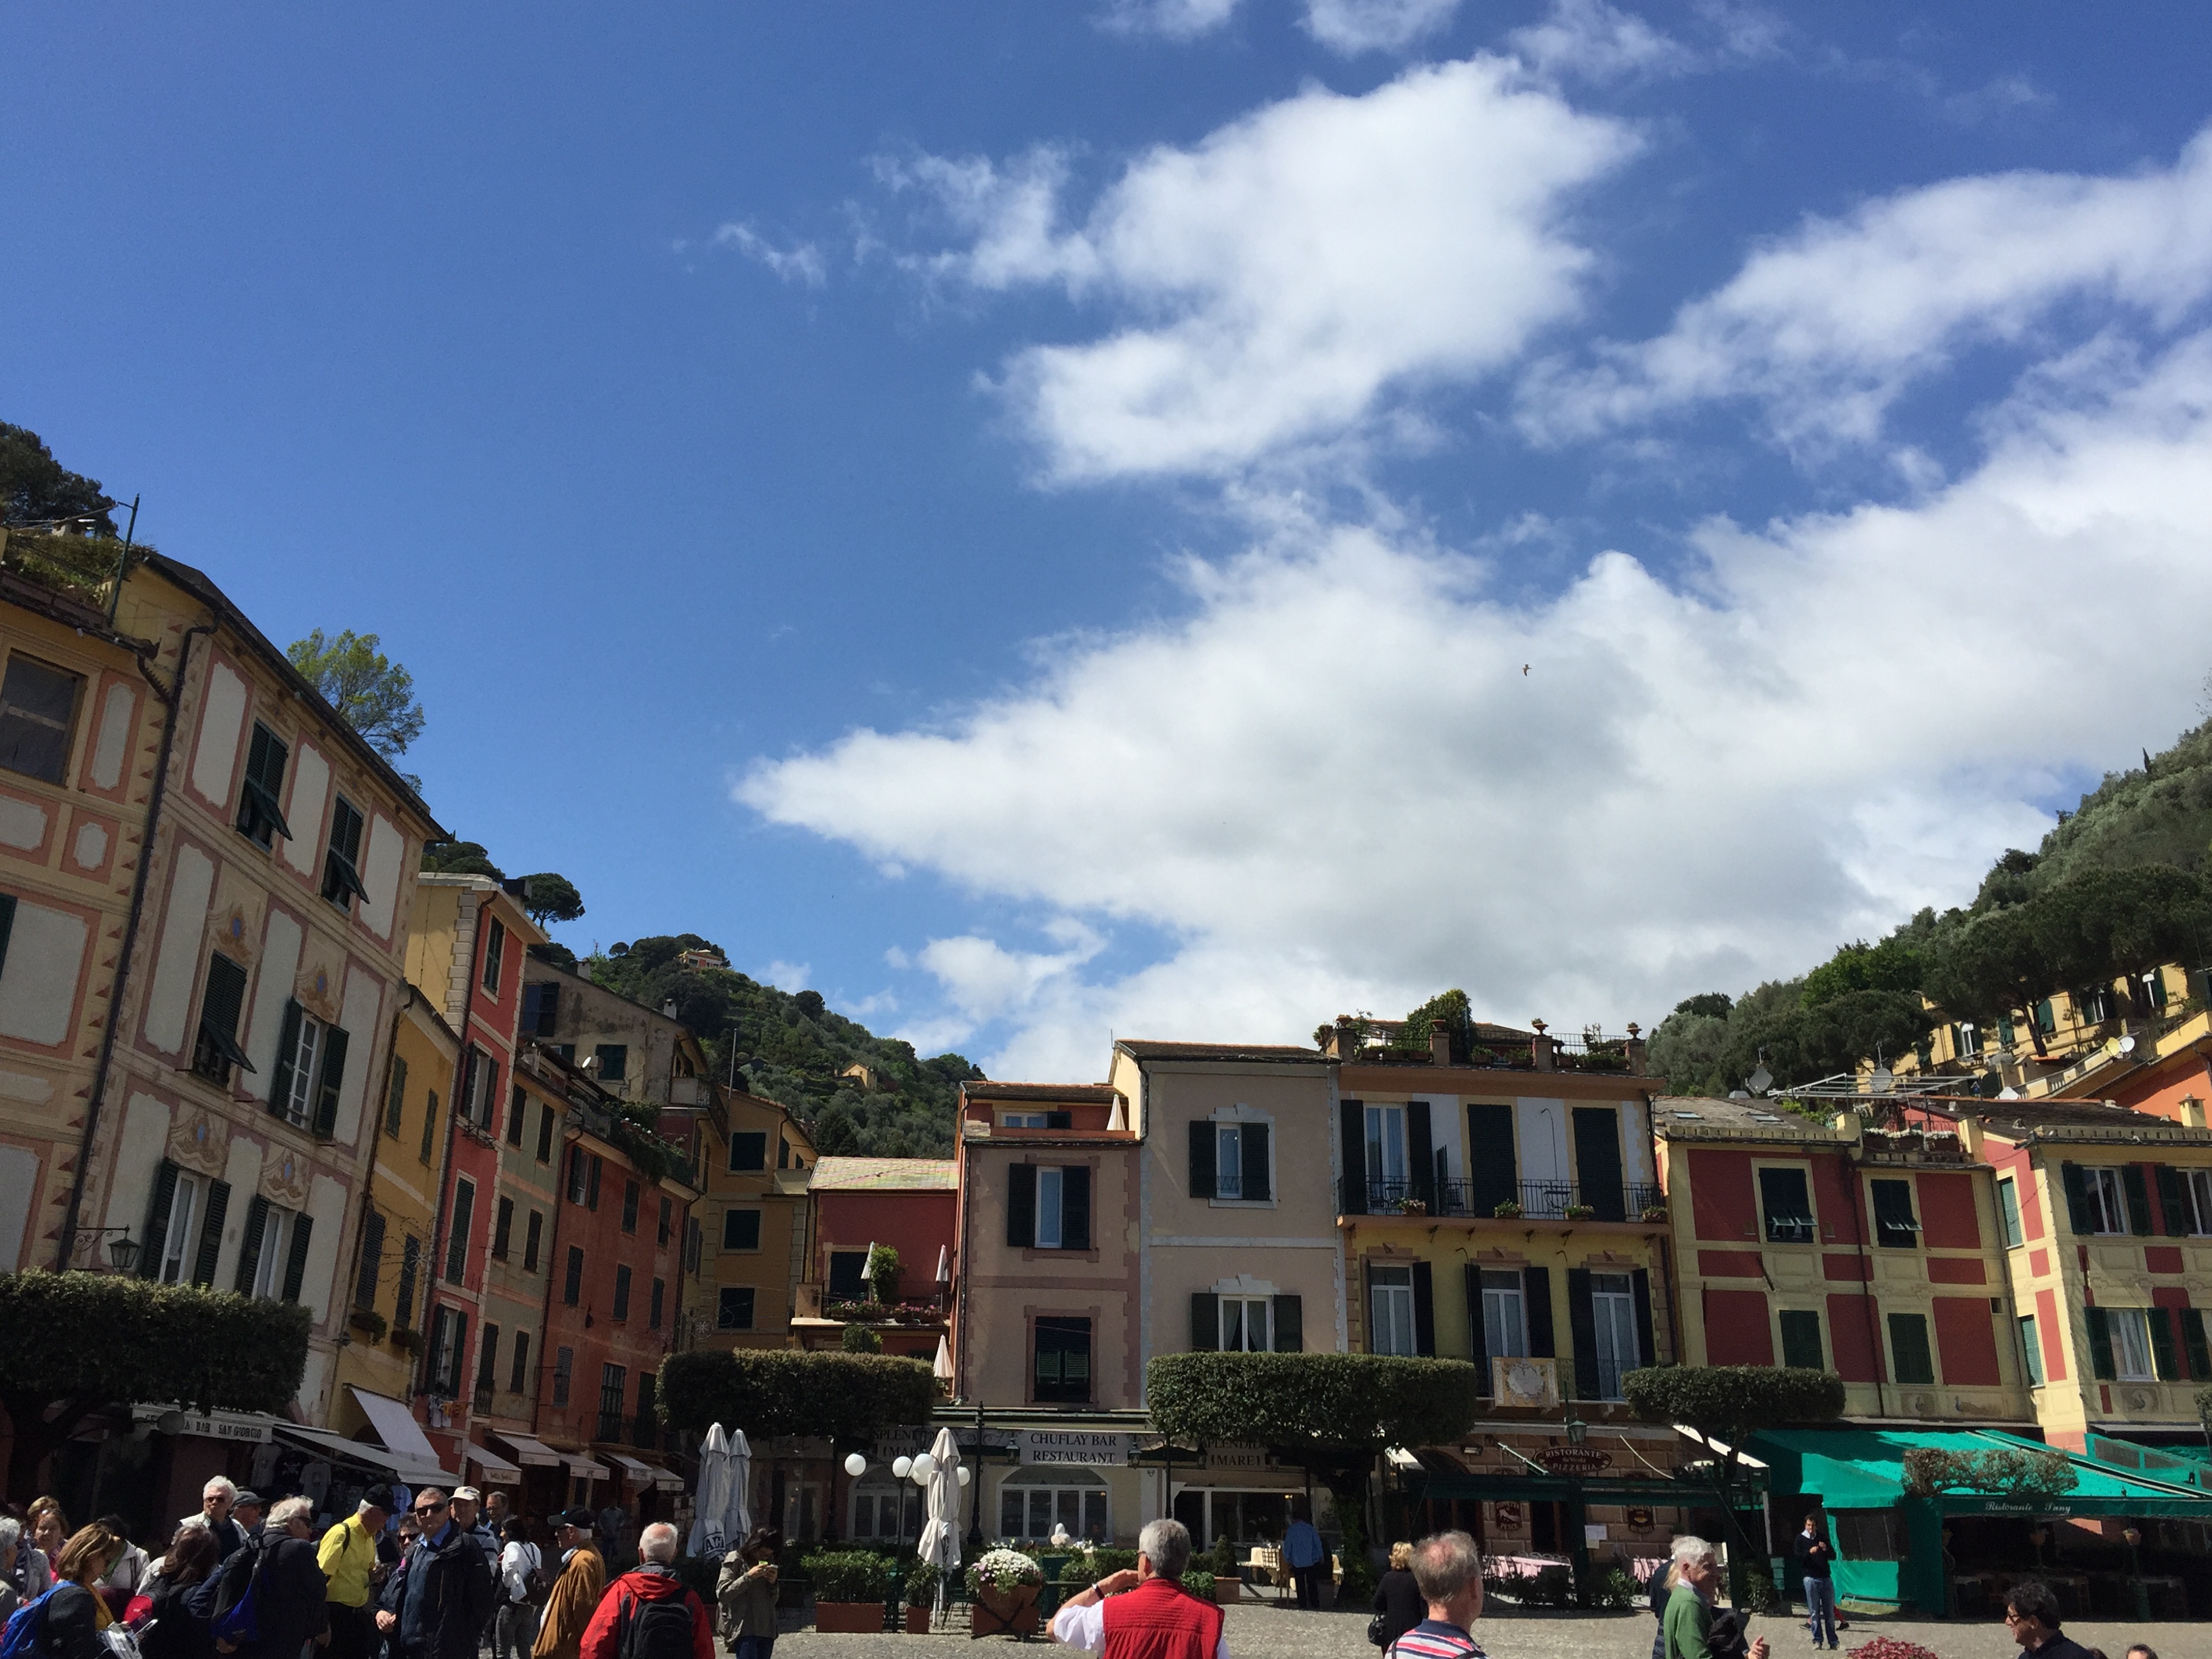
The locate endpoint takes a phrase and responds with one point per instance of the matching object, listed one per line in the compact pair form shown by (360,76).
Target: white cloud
(1351,27)
(801,262)
(1286,273)
(1335,787)
(1178,20)
(1599,42)
(1828,326)
(787,976)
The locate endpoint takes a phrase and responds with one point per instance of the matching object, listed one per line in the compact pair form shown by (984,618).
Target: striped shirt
(1432,1638)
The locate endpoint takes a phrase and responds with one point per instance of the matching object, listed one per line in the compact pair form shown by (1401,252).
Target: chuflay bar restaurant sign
(1075,1446)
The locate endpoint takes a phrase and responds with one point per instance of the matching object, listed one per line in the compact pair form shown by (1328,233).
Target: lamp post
(2134,1537)
(975,1505)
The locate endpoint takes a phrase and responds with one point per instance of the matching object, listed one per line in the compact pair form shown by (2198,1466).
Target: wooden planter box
(917,1621)
(1228,1592)
(1004,1612)
(848,1618)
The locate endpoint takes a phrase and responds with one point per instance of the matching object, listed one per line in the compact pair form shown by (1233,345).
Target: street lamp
(1577,1430)
(2134,1536)
(122,1251)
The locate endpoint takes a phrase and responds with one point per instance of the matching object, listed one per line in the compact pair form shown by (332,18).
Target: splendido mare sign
(1071,1446)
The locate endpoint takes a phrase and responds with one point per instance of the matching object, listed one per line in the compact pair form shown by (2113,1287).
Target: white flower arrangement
(1003,1569)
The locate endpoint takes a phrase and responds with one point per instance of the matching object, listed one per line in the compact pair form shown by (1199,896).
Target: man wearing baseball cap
(348,1557)
(576,1593)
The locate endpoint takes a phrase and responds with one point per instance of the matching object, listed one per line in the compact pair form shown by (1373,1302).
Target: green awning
(1864,1469)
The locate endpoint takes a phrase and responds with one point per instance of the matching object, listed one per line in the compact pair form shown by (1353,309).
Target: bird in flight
(1524,670)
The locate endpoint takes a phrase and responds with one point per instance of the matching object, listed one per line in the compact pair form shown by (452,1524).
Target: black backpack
(655,1630)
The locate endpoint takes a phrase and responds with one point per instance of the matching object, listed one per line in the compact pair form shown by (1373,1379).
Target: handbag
(1375,1629)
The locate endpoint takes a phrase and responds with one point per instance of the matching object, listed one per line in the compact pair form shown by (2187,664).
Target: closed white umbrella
(708,1535)
(939,1544)
(943,1368)
(737,1509)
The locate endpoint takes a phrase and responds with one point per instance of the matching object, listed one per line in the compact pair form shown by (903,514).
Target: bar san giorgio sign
(1075,1446)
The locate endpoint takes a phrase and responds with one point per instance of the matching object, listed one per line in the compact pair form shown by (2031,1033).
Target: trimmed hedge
(1731,1400)
(1332,1407)
(783,1391)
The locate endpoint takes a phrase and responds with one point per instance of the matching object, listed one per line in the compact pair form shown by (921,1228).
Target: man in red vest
(1157,1618)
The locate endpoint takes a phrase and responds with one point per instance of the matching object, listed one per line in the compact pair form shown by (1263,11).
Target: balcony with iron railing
(1479,1198)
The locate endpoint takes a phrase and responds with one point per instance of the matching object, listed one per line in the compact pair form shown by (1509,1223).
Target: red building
(909,1204)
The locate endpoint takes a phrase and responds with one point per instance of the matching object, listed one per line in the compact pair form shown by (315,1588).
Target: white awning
(647,1474)
(497,1469)
(414,1471)
(583,1466)
(395,1426)
(529,1450)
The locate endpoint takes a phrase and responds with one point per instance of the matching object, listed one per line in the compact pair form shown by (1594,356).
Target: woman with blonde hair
(1399,1603)
(74,1614)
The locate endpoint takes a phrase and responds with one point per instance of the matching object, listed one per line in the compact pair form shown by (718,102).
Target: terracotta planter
(1004,1612)
(917,1621)
(1227,1592)
(848,1618)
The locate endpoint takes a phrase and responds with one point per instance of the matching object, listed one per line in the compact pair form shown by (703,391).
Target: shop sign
(1509,1517)
(1238,1459)
(1575,1460)
(241,1426)
(1639,1518)
(1073,1446)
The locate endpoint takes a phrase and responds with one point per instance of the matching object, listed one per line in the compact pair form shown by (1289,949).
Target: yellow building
(752,1234)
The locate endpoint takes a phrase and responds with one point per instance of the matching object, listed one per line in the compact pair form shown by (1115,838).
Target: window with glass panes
(1245,1324)
(2008,1213)
(38,709)
(1613,1309)
(1061,1357)
(2031,1350)
(1390,1311)
(1505,1319)
(1039,1497)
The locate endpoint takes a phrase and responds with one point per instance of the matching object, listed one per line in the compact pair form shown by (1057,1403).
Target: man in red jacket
(1156,1619)
(649,1613)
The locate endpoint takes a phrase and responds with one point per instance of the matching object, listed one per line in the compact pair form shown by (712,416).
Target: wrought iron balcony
(1480,1197)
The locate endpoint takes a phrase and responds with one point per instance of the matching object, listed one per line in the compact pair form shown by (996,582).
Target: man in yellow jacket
(347,1559)
(576,1593)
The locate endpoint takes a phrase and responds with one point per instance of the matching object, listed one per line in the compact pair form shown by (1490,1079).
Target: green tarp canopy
(1864,1469)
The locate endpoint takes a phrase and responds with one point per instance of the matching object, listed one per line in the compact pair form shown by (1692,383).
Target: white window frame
(1022,1120)
(2132,1361)
(1054,1484)
(2031,1354)
(1240,1317)
(1505,1315)
(877,1491)
(1390,1311)
(2101,1184)
(1050,1180)
(2197,1183)
(2009,1226)
(179,1242)
(303,1079)
(276,1252)
(1613,1311)
(1386,1136)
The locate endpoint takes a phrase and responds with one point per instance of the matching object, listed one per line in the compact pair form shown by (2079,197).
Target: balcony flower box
(1579,1213)
(1411,1207)
(407,1340)
(1508,1211)
(1654,1212)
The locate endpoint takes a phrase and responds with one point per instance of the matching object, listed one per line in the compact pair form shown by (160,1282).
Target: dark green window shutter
(1289,1324)
(2165,1363)
(326,1096)
(296,1264)
(288,1044)
(1205,1321)
(1253,1140)
(1477,1339)
(572,1287)
(1059,1120)
(1536,1299)
(2100,1344)
(1581,1331)
(2138,1192)
(1202,1177)
(1909,1358)
(1352,1135)
(2172,1202)
(456,1246)
(249,1249)
(1801,1340)
(1493,1160)
(1647,1348)
(1021,1206)
(218,1205)
(372,1260)
(1425,1310)
(1892,1215)
(7,924)
(1597,1162)
(157,1221)
(1075,1207)
(1421,1155)
(2193,1343)
(396,1104)
(2077,1199)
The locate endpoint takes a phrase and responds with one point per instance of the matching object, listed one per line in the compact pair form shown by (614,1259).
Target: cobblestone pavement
(1267,1633)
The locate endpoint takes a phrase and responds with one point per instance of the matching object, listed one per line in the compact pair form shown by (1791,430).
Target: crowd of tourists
(427,1574)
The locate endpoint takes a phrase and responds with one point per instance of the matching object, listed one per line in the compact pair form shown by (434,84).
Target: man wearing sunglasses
(436,1604)
(2032,1615)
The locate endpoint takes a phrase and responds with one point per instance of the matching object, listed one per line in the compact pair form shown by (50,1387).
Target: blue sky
(1031,518)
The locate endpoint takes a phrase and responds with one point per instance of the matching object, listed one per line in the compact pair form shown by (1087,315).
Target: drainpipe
(171,697)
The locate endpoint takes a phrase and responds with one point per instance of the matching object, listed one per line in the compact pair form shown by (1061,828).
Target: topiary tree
(885,1273)
(1331,1414)
(846,1397)
(1729,1403)
(72,1345)
(858,1339)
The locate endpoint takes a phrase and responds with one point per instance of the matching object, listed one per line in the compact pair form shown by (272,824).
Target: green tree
(459,858)
(1329,1413)
(549,897)
(1991,964)
(36,489)
(883,1272)
(73,1345)
(372,694)
(844,1397)
(1449,1009)
(2103,925)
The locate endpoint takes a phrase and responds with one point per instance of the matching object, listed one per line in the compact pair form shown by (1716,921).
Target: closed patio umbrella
(939,1544)
(736,1511)
(708,1535)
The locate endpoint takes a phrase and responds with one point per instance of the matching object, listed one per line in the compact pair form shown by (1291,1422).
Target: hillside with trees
(791,1046)
(2119,886)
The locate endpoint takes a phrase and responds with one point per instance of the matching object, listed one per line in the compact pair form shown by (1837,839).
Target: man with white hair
(215,1499)
(648,1612)
(1149,1613)
(1448,1572)
(291,1597)
(1686,1630)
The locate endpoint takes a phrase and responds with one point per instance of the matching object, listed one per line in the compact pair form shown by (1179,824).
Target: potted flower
(407,1340)
(920,1587)
(1002,1590)
(369,1322)
(1654,1212)
(1412,1206)
(849,1591)
(1508,1210)
(1579,1213)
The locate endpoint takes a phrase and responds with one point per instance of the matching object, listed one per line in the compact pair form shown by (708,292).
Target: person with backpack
(272,1599)
(649,1612)
(576,1593)
(524,1585)
(169,1629)
(437,1605)
(348,1557)
(65,1623)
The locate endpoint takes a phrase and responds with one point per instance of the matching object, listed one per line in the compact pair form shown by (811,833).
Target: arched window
(1036,1499)
(886,1508)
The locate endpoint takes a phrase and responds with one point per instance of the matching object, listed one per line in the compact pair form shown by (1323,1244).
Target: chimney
(668,1007)
(1850,1125)
(1636,1063)
(1439,1043)
(1970,1137)
(1342,1044)
(1539,1047)
(2192,1112)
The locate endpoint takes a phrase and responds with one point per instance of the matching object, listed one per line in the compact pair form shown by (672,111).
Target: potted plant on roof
(1002,1591)
(849,1591)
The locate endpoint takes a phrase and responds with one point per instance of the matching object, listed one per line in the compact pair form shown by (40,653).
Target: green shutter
(1801,1340)
(1581,1331)
(1536,1299)
(1647,1349)
(249,1250)
(2193,1343)
(2138,1192)
(326,1095)
(2171,1201)
(2077,1199)
(1021,1207)
(296,1264)
(157,1220)
(1202,1145)
(1492,1161)
(1909,1358)
(1289,1324)
(395,1103)
(1420,1154)
(218,1205)
(2165,1362)
(1477,1338)
(1205,1321)
(372,1261)
(1253,1140)
(1075,1207)
(7,924)
(1425,1310)
(2100,1344)
(1352,1137)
